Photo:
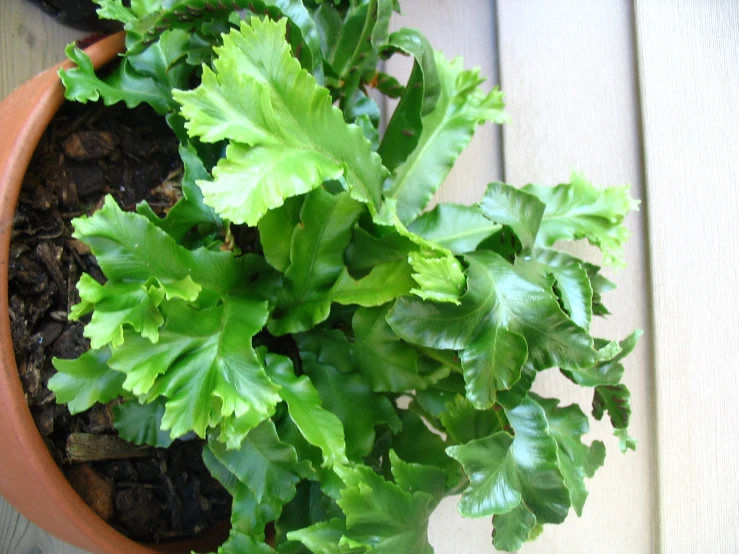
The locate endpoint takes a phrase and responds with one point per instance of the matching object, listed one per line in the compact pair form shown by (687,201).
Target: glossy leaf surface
(82,382)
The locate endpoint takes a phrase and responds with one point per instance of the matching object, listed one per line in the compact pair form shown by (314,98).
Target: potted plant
(350,358)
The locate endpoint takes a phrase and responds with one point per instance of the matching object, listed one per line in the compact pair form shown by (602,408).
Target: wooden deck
(645,93)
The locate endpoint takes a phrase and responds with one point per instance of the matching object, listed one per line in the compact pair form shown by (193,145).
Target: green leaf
(125,84)
(369,130)
(383,359)
(625,441)
(447,130)
(510,206)
(141,423)
(536,532)
(432,421)
(381,30)
(418,445)
(389,219)
(290,434)
(220,472)
(360,105)
(572,281)
(203,364)
(295,515)
(453,226)
(614,400)
(505,470)
(309,506)
(513,397)
(501,319)
(438,279)
(418,478)
(203,40)
(260,97)
(579,210)
(600,286)
(492,362)
(607,350)
(418,98)
(329,347)
(318,425)
(251,517)
(385,282)
(323,537)
(82,382)
(444,326)
(232,430)
(328,24)
(205,15)
(316,260)
(487,462)
(351,399)
(506,244)
(248,517)
(413,43)
(303,28)
(276,230)
(609,371)
(116,305)
(576,460)
(130,248)
(552,339)
(353,40)
(115,10)
(434,399)
(388,85)
(367,250)
(189,211)
(381,515)
(164,61)
(142,8)
(464,423)
(239,543)
(268,467)
(307,32)
(511,529)
(249,181)
(366,28)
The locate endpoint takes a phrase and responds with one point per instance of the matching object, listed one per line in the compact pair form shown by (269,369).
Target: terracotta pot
(29,478)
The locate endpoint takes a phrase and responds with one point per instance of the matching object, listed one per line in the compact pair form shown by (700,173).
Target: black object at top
(78,14)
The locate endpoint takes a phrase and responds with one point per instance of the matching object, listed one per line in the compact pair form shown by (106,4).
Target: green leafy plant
(358,358)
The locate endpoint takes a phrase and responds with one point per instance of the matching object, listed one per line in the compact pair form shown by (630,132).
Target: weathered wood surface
(646,94)
(688,57)
(29,43)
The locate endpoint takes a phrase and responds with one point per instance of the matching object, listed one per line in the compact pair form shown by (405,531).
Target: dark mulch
(86,153)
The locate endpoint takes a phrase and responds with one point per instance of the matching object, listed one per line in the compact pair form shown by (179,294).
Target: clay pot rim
(24,116)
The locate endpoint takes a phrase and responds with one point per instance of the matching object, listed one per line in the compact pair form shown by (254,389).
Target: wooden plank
(688,55)
(568,72)
(20,536)
(30,42)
